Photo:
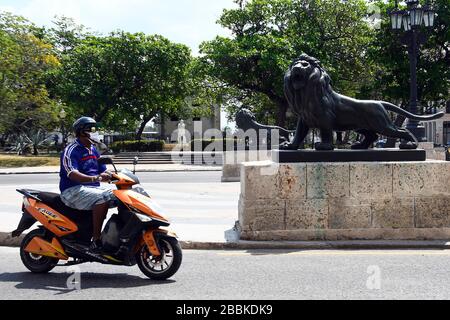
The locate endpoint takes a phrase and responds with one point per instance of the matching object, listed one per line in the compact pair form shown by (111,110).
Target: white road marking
(340,253)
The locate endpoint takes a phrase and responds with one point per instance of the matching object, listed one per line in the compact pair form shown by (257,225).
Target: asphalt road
(200,207)
(243,275)
(145,177)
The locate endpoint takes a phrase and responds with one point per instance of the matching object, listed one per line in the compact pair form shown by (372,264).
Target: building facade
(439,131)
(168,129)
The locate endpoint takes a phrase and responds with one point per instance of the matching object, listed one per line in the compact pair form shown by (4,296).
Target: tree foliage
(391,77)
(269,34)
(125,76)
(27,59)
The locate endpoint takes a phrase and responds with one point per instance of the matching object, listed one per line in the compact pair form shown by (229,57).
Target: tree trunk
(339,138)
(142,127)
(163,127)
(99,116)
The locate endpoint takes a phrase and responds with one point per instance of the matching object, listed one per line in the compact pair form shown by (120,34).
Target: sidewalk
(139,168)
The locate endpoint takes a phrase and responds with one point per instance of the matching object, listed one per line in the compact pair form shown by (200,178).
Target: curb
(7,241)
(313,245)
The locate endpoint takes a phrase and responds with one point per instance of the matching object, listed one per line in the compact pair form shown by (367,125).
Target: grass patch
(12,161)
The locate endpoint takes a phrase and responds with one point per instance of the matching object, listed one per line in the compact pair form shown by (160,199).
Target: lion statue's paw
(324,146)
(288,146)
(359,146)
(408,146)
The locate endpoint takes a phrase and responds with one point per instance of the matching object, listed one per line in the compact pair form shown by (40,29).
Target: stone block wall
(232,162)
(345,201)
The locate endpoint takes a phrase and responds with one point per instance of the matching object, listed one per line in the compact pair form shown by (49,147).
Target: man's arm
(82,178)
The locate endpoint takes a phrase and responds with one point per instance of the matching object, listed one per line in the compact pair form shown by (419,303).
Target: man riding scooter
(81,175)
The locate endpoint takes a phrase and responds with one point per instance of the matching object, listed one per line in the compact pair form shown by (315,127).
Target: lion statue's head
(306,80)
(243,118)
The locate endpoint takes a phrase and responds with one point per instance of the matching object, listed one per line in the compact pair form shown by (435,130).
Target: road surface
(246,275)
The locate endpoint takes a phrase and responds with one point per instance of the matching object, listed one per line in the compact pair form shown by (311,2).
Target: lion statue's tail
(394,108)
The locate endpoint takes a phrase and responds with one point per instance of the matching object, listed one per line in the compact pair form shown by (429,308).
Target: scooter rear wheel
(164,266)
(33,262)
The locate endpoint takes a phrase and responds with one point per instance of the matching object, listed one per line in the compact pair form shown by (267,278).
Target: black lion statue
(309,92)
(246,120)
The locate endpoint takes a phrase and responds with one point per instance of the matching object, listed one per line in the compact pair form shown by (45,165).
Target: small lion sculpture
(246,120)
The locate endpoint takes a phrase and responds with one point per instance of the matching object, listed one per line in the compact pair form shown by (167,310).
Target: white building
(439,131)
(170,125)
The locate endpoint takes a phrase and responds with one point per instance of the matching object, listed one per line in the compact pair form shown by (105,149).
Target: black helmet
(84,124)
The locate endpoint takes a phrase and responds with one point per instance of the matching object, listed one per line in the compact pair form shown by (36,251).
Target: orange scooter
(65,233)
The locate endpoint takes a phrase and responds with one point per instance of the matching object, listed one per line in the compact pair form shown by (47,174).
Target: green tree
(391,77)
(269,34)
(66,34)
(125,75)
(27,59)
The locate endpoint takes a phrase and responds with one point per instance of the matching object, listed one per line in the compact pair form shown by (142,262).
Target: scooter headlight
(144,218)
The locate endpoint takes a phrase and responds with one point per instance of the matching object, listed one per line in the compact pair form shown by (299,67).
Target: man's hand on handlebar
(106,176)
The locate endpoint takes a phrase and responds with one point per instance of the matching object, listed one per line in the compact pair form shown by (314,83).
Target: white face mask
(94,137)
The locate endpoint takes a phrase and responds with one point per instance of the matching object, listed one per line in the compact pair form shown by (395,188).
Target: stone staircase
(157,158)
(144,158)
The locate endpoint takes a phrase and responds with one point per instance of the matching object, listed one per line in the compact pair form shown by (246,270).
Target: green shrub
(135,146)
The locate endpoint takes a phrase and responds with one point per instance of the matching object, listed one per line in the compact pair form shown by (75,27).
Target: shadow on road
(58,281)
(270,252)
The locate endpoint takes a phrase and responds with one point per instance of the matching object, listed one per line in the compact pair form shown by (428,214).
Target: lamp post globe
(62,116)
(406,22)
(396,19)
(428,16)
(416,16)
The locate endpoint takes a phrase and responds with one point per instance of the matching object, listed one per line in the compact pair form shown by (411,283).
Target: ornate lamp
(428,16)
(412,19)
(396,18)
(416,16)
(406,22)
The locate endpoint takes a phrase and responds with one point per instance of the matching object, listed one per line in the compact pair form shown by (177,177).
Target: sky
(183,21)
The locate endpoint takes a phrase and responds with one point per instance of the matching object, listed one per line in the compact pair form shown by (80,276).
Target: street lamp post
(412,19)
(62,116)
(140,137)
(124,122)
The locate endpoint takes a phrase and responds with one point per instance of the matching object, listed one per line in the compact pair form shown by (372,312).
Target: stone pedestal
(232,162)
(432,152)
(345,201)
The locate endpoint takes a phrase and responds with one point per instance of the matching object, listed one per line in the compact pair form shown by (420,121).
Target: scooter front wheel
(33,262)
(160,267)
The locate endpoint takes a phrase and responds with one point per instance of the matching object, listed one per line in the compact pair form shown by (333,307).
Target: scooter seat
(83,219)
(53,200)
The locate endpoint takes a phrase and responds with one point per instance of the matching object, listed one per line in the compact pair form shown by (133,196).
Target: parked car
(380,143)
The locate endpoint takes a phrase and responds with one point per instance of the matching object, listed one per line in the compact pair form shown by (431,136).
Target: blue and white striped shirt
(77,157)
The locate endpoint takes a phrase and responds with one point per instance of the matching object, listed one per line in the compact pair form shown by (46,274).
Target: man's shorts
(85,198)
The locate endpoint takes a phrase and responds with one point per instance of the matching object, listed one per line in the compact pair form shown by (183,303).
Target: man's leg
(99,215)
